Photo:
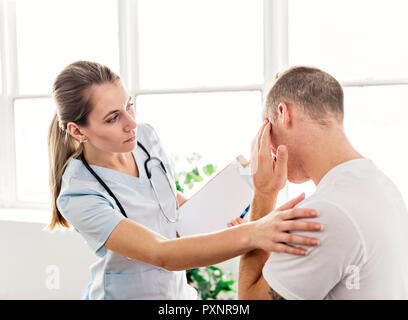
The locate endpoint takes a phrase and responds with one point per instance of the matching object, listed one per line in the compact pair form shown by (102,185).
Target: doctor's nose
(131,124)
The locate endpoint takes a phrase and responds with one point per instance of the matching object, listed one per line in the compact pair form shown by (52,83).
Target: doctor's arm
(135,241)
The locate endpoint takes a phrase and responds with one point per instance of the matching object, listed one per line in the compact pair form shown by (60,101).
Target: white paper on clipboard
(221,200)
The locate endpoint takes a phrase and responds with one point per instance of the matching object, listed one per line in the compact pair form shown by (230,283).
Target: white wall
(38,264)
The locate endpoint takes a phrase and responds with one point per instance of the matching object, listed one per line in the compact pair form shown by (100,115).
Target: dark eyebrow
(113,111)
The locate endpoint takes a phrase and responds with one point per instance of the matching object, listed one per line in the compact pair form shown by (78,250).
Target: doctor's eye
(113,119)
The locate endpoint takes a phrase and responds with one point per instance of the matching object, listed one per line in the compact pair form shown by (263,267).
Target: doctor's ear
(75,132)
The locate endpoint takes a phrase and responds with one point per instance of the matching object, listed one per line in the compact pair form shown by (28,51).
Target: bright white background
(198,69)
(206,46)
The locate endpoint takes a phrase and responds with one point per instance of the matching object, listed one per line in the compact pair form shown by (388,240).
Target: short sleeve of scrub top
(93,215)
(87,206)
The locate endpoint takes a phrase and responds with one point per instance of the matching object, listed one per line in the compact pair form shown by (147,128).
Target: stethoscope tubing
(149,176)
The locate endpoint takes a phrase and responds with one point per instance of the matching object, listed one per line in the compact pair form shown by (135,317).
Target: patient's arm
(251,283)
(274,295)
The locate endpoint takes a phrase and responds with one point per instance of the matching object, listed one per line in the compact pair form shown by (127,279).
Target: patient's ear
(285,115)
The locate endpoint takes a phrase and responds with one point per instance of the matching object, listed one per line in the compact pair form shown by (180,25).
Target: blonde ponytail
(61,149)
(71,96)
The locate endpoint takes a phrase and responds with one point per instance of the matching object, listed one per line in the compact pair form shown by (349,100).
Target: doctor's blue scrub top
(93,213)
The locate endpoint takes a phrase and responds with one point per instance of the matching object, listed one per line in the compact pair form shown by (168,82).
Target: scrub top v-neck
(94,214)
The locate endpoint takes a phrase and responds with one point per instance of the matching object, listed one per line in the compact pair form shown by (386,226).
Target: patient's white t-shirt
(363,250)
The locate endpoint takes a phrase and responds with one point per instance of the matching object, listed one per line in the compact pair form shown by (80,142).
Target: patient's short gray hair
(318,93)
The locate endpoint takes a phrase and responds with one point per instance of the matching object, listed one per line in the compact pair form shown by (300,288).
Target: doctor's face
(111,123)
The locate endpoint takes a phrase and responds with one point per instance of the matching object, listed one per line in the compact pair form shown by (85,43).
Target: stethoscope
(149,176)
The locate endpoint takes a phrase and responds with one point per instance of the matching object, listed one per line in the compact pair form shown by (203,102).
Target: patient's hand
(269,172)
(236,222)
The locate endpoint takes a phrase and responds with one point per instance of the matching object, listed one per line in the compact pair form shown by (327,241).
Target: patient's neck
(327,150)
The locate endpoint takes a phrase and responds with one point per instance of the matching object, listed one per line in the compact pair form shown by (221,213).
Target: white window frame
(128,60)
(275,16)
(9,83)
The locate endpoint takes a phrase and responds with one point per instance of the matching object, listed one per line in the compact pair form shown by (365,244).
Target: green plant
(208,281)
(193,175)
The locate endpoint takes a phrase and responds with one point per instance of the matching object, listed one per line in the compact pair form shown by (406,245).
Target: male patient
(362,253)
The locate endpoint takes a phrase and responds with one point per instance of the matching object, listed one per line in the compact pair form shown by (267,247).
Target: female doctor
(112,181)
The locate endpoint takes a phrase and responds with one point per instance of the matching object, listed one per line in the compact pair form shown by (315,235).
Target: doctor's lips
(131,139)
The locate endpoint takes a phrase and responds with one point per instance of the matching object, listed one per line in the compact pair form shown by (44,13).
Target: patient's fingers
(281,164)
(255,145)
(260,135)
(265,141)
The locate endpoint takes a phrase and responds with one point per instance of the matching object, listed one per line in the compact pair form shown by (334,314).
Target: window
(360,44)
(43,37)
(351,40)
(204,60)
(70,30)
(31,148)
(1,74)
(185,43)
(376,121)
(197,70)
(2,50)
(218,126)
(197,61)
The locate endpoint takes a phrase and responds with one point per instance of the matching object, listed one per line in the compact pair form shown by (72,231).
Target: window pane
(1,76)
(52,34)
(32,119)
(185,43)
(218,126)
(350,39)
(376,119)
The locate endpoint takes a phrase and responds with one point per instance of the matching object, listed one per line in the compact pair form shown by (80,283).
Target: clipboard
(219,201)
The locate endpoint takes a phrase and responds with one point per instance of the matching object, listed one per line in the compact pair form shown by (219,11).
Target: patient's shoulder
(328,209)
(339,225)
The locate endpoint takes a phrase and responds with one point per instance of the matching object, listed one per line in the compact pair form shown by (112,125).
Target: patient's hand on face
(269,172)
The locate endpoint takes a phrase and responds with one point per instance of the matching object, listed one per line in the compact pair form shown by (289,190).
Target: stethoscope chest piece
(149,176)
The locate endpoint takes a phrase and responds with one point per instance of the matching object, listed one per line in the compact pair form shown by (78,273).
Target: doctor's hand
(269,172)
(288,205)
(271,231)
